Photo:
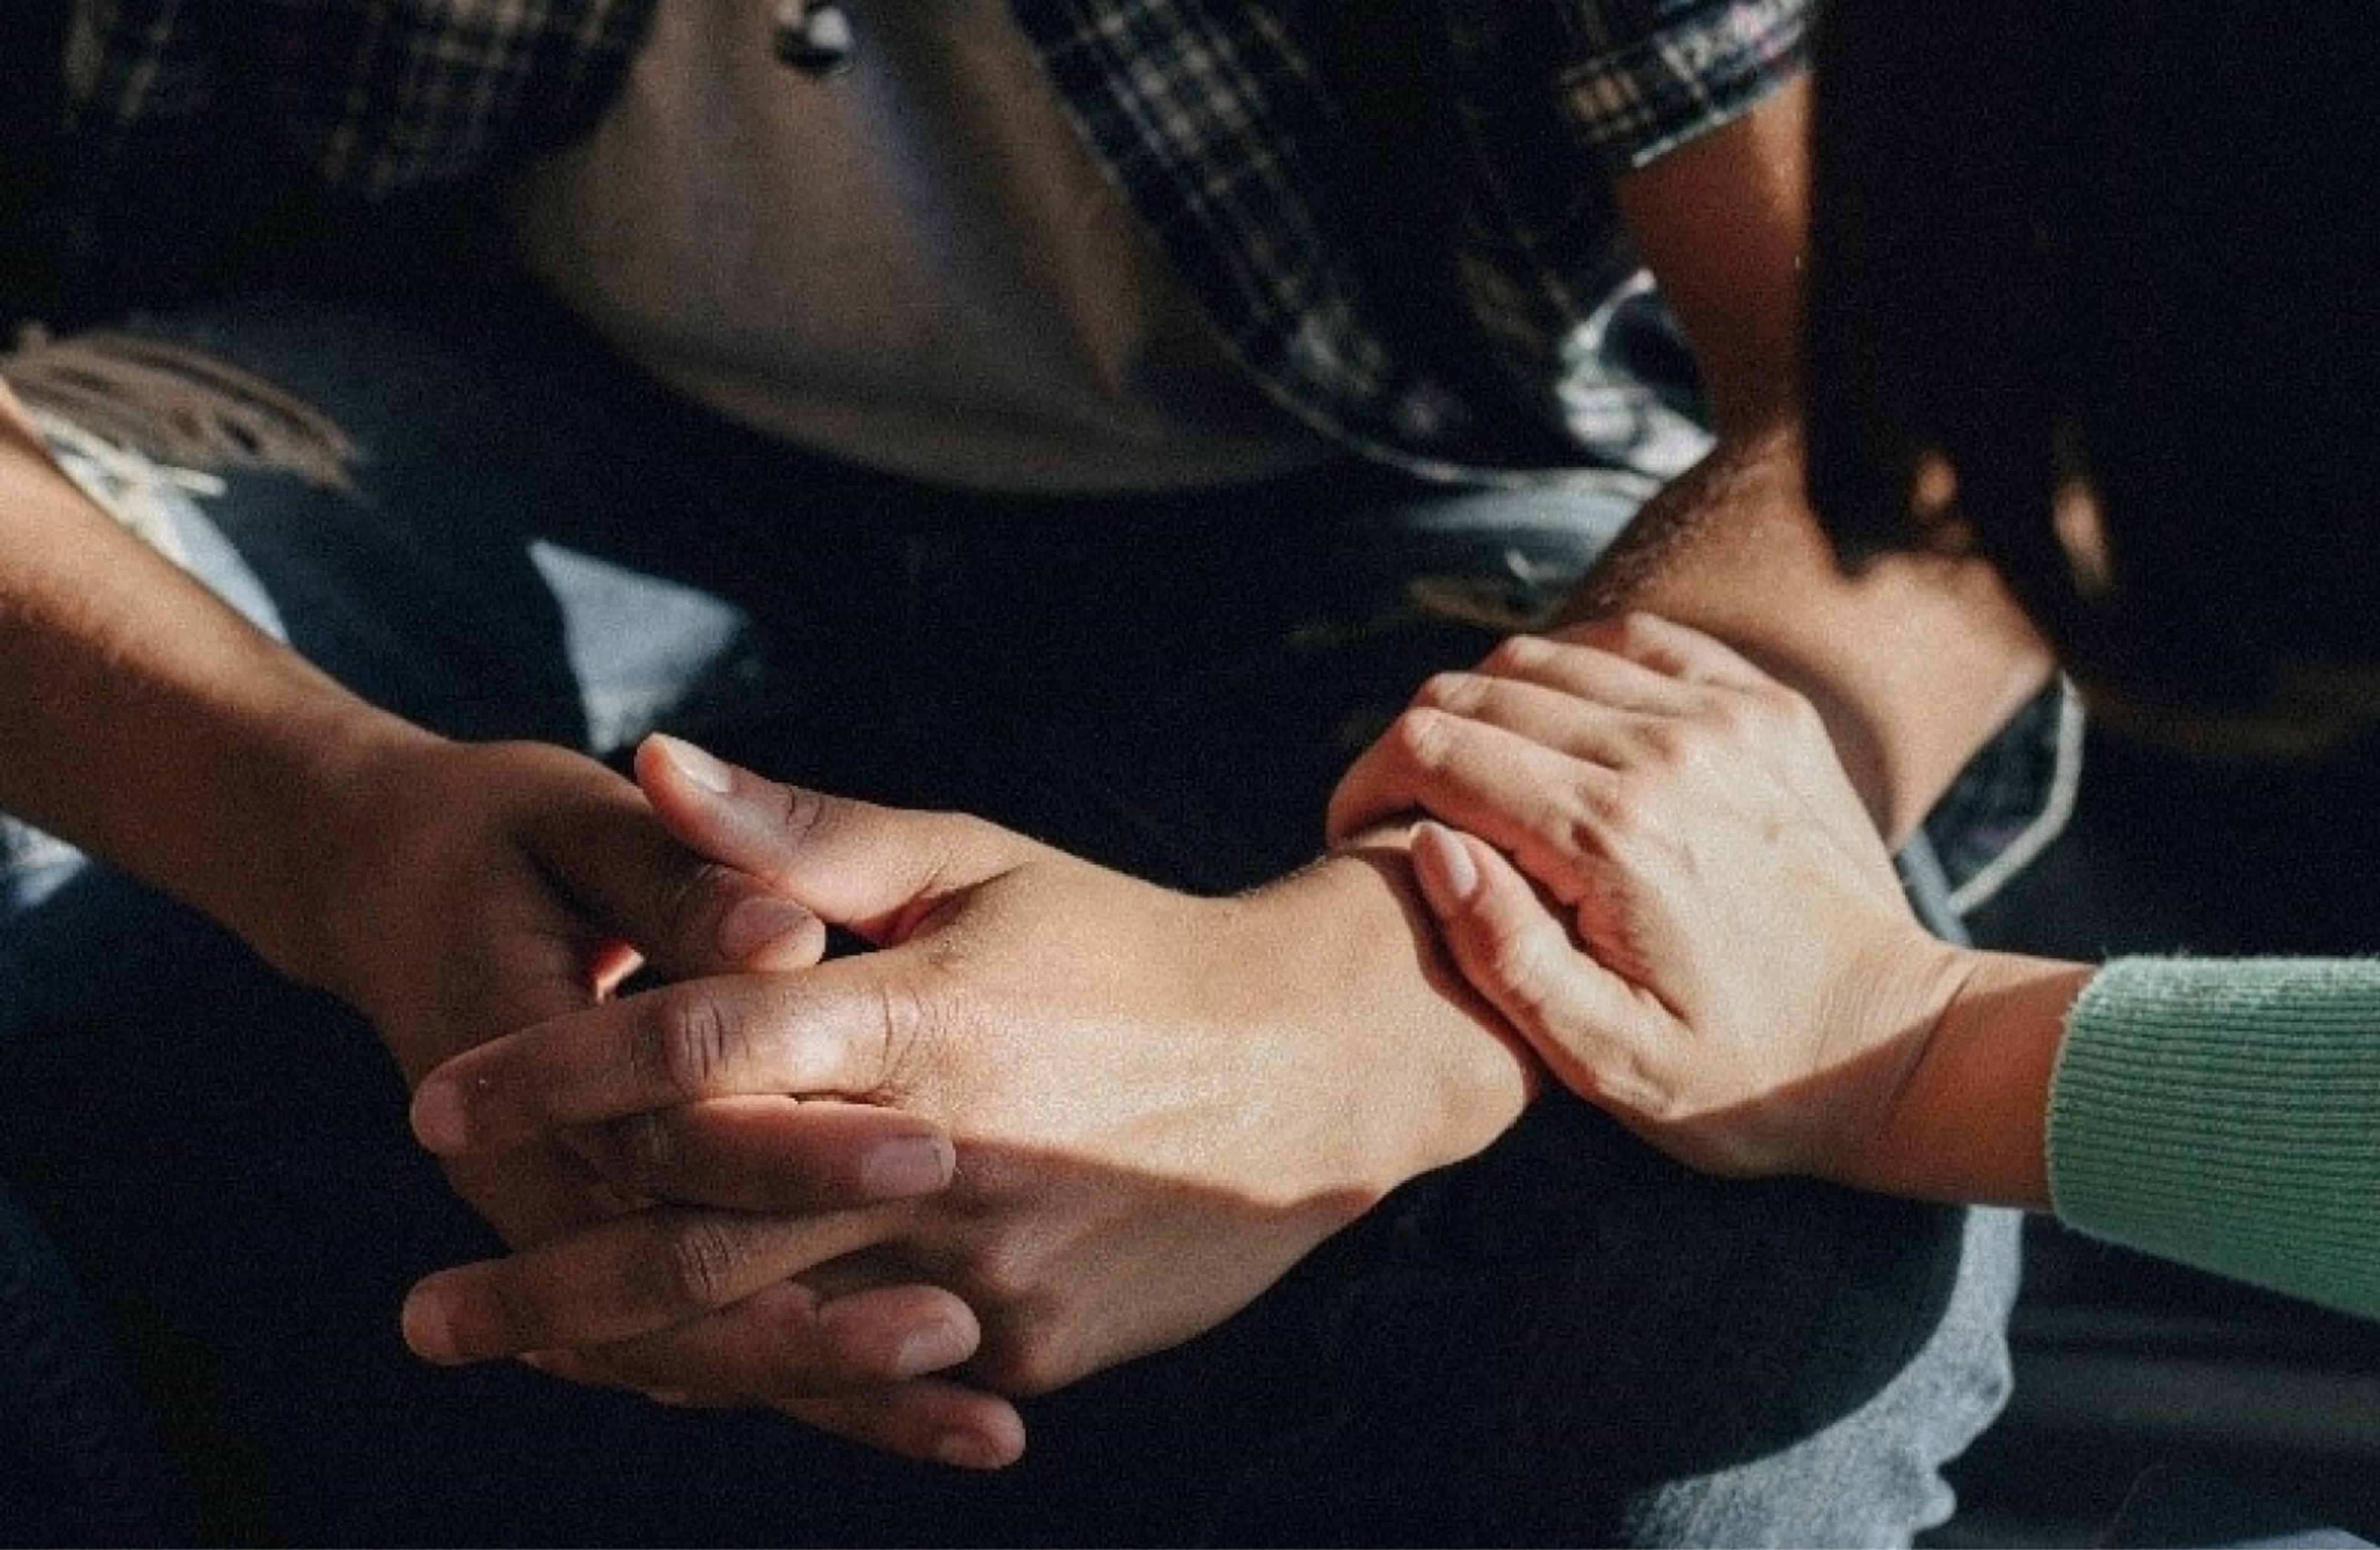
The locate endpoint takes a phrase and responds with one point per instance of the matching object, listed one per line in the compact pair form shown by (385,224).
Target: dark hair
(2133,243)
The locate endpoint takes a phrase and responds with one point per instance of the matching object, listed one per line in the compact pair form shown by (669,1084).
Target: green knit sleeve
(2226,1114)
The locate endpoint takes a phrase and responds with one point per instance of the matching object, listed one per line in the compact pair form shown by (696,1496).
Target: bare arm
(1972,1120)
(1912,664)
(448,891)
(208,732)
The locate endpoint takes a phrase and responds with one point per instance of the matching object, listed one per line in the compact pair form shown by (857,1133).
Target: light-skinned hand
(1665,881)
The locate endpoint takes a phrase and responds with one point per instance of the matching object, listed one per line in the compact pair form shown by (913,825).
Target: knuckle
(1024,1361)
(1447,691)
(698,1260)
(939,1025)
(802,1359)
(1665,744)
(648,1147)
(802,815)
(991,1179)
(1517,654)
(1737,717)
(1634,632)
(694,1046)
(1004,1277)
(1031,1373)
(904,1020)
(1020,1295)
(1611,817)
(1658,1099)
(1422,737)
(1640,832)
(1563,845)
(684,895)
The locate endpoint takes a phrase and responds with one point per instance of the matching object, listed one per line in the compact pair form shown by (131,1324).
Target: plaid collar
(1397,212)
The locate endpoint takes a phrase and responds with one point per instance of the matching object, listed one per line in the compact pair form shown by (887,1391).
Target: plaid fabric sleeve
(130,61)
(1649,75)
(378,96)
(395,94)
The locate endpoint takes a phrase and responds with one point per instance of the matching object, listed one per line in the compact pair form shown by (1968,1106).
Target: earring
(813,36)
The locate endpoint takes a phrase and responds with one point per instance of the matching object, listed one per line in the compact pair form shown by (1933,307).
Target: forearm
(1914,663)
(149,722)
(1970,1119)
(2218,1113)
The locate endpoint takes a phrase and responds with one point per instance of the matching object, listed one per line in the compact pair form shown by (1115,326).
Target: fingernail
(968,1450)
(429,1324)
(757,923)
(440,1121)
(930,1350)
(911,1164)
(1448,874)
(697,766)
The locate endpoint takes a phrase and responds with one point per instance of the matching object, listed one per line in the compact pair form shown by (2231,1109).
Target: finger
(723,921)
(1519,954)
(684,913)
(630,1275)
(1559,694)
(588,1372)
(1560,717)
(791,1341)
(926,1419)
(1588,672)
(536,1193)
(1551,810)
(834,1029)
(874,870)
(1665,645)
(930,1420)
(771,1154)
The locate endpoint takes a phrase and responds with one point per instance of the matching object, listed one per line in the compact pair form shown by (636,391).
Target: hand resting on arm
(1667,883)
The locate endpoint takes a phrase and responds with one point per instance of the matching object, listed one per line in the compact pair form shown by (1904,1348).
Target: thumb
(874,870)
(1518,953)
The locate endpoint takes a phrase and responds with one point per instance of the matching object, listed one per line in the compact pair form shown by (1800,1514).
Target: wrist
(1426,1073)
(1968,1122)
(324,796)
(151,724)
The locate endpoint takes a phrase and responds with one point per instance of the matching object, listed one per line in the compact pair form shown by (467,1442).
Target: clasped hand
(1152,1099)
(462,891)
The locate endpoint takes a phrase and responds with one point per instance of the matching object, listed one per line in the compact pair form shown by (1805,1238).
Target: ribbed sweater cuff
(2226,1114)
